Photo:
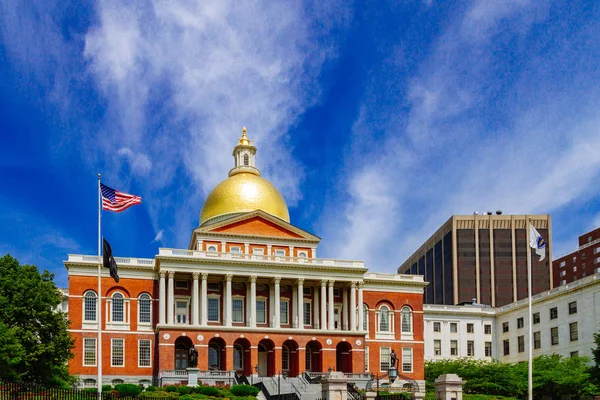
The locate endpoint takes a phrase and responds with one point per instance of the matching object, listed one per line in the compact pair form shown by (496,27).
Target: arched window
(212,248)
(246,160)
(384,319)
(145,307)
(117,382)
(238,357)
(214,359)
(406,319)
(118,315)
(285,358)
(89,383)
(365,326)
(89,307)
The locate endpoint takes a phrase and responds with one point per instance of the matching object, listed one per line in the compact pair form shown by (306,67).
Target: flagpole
(530,363)
(99,355)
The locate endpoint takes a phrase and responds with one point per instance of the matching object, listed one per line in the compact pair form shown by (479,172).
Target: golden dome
(244,192)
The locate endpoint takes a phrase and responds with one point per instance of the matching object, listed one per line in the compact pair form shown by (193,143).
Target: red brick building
(582,262)
(250,294)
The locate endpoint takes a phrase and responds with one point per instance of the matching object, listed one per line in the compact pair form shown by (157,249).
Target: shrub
(210,391)
(151,389)
(106,388)
(243,390)
(184,389)
(170,388)
(128,389)
(90,390)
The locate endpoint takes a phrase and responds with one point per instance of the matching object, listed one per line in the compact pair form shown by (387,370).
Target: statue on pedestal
(193,357)
(393,359)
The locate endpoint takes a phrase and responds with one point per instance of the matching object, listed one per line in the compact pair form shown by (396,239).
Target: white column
(330,306)
(277,302)
(300,303)
(345,308)
(204,302)
(162,300)
(324,304)
(353,306)
(361,317)
(253,301)
(195,300)
(316,307)
(171,299)
(228,300)
(294,307)
(271,316)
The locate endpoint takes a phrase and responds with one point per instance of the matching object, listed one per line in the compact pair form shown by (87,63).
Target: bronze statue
(393,359)
(193,357)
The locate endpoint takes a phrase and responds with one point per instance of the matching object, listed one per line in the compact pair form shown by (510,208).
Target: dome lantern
(243,155)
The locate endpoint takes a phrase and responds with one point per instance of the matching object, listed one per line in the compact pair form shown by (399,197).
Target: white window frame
(235,251)
(279,253)
(287,302)
(384,358)
(390,332)
(472,326)
(112,308)
(365,317)
(95,352)
(140,353)
(149,298)
(437,324)
(262,300)
(455,325)
(89,383)
(302,254)
(185,300)
(437,347)
(455,348)
(83,301)
(406,334)
(112,352)
(485,347)
(407,351)
(218,298)
(212,248)
(304,313)
(241,352)
(472,348)
(237,298)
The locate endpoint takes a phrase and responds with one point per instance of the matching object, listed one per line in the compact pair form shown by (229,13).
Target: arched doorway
(313,356)
(266,358)
(241,357)
(216,354)
(182,348)
(289,358)
(343,357)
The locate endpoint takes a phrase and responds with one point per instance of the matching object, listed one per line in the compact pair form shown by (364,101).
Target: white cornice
(264,330)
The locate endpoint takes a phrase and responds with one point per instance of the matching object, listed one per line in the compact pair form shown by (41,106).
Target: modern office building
(249,294)
(582,262)
(481,259)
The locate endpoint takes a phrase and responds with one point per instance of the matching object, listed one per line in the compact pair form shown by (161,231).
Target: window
(117,308)
(454,347)
(573,308)
(574,354)
(235,249)
(554,336)
(563,273)
(506,345)
(181,284)
(488,349)
(384,319)
(521,344)
(285,358)
(470,328)
(575,269)
(407,360)
(505,326)
(181,312)
(562,264)
(573,332)
(406,315)
(453,327)
(537,340)
(520,323)
(89,306)
(89,353)
(213,286)
(283,312)
(366,358)
(212,248)
(436,327)
(261,311)
(306,291)
(470,348)
(117,351)
(89,383)
(583,256)
(238,356)
(336,292)
(307,313)
(237,308)
(553,313)
(144,358)
(487,329)
(258,252)
(117,382)
(437,347)
(145,308)
(536,318)
(302,254)
(213,309)
(280,253)
(246,160)
(366,318)
(597,250)
(384,358)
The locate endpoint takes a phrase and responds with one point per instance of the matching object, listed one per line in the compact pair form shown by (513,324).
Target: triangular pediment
(258,223)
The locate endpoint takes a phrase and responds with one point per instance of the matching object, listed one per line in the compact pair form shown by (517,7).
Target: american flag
(113,200)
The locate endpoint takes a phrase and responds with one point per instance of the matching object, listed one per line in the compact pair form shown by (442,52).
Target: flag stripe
(113,200)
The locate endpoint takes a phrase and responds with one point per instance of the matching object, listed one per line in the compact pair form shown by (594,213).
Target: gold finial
(244,130)
(244,139)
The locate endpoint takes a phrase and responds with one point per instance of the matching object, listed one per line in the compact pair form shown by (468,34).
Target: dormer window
(246,160)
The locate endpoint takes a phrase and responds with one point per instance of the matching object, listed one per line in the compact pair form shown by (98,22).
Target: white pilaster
(330,306)
(324,304)
(228,302)
(300,303)
(316,307)
(171,299)
(294,307)
(345,308)
(199,245)
(353,306)
(162,300)
(204,303)
(361,316)
(277,304)
(195,300)
(253,301)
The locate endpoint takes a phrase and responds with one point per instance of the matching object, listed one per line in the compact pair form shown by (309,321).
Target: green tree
(35,344)
(595,369)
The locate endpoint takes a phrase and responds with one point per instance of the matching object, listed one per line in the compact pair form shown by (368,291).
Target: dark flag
(108,261)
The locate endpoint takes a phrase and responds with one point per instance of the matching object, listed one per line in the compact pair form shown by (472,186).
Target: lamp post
(392,374)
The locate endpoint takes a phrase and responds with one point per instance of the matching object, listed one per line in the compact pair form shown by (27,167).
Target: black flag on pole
(108,261)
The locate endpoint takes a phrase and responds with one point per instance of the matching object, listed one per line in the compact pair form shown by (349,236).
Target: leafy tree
(595,369)
(34,342)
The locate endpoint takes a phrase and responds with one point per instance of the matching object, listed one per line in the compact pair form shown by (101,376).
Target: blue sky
(377,120)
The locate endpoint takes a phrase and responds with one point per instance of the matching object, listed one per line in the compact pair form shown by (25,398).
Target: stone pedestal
(193,376)
(448,387)
(335,386)
(370,395)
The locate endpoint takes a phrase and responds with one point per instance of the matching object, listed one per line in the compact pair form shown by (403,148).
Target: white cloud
(159,236)
(139,161)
